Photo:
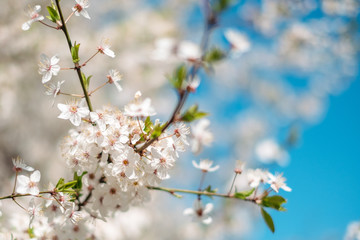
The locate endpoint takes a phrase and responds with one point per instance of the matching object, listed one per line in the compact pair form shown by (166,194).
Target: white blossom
(115,77)
(269,151)
(79,8)
(139,108)
(34,15)
(189,51)
(239,42)
(277,181)
(104,47)
(48,67)
(257,176)
(353,231)
(205,165)
(73,111)
(201,136)
(19,165)
(28,184)
(34,211)
(200,213)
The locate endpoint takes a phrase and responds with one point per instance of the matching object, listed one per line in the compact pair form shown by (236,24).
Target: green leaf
(87,83)
(268,220)
(274,202)
(54,16)
(75,52)
(148,125)
(209,189)
(221,5)
(214,55)
(192,114)
(178,77)
(60,183)
(157,131)
(244,194)
(78,180)
(31,233)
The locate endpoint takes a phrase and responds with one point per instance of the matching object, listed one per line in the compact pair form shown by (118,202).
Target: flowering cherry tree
(118,157)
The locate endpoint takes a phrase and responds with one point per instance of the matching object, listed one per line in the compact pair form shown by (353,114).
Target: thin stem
(232,184)
(77,66)
(19,204)
(82,65)
(138,120)
(71,94)
(67,68)
(57,200)
(16,175)
(101,86)
(56,28)
(204,193)
(201,183)
(24,195)
(71,14)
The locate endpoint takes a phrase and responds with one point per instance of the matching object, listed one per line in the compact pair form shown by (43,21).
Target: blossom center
(73,109)
(78,7)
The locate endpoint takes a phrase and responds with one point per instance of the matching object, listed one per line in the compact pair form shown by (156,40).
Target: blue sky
(324,175)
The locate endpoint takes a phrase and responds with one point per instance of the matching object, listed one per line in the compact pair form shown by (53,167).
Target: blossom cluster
(106,148)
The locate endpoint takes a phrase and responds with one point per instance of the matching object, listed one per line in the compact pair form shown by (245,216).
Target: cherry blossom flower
(73,111)
(114,77)
(34,15)
(101,118)
(257,176)
(239,42)
(139,108)
(201,136)
(239,167)
(104,47)
(79,8)
(19,165)
(277,181)
(72,215)
(28,185)
(353,231)
(200,213)
(269,151)
(205,165)
(164,49)
(34,211)
(189,51)
(48,67)
(181,131)
(53,90)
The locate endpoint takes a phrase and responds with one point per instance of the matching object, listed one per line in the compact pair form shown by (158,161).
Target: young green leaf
(268,220)
(148,125)
(214,55)
(54,16)
(210,190)
(78,180)
(178,77)
(221,5)
(192,114)
(31,233)
(75,52)
(60,183)
(274,202)
(244,194)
